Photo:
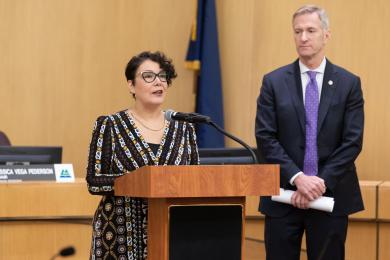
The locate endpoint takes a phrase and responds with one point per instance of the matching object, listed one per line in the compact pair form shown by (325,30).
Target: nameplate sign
(41,172)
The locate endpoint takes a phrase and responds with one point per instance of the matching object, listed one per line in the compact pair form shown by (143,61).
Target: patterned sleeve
(99,179)
(194,155)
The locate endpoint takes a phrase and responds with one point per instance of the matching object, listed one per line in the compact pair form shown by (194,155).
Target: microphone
(171,115)
(67,251)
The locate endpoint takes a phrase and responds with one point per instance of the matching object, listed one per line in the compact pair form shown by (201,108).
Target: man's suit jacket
(280,133)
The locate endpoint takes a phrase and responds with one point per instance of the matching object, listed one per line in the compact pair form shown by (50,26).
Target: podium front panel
(206,232)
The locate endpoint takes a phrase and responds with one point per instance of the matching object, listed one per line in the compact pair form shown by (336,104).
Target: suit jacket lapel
(294,83)
(329,85)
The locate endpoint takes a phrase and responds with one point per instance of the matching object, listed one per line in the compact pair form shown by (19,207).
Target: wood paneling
(37,219)
(158,229)
(252,206)
(199,181)
(384,201)
(41,240)
(384,216)
(384,241)
(256,37)
(37,199)
(369,191)
(254,229)
(254,250)
(361,241)
(63,65)
(63,61)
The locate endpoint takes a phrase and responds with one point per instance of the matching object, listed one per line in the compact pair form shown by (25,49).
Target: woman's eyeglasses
(150,76)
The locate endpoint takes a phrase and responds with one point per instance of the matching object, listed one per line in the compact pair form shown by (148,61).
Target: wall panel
(62,63)
(264,41)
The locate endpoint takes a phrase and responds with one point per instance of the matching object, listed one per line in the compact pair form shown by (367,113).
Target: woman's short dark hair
(158,57)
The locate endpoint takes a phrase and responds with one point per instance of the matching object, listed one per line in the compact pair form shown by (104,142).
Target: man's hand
(311,187)
(298,200)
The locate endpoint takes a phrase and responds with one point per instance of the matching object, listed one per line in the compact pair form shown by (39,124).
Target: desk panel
(37,219)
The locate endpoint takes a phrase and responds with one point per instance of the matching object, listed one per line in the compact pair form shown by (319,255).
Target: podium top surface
(199,181)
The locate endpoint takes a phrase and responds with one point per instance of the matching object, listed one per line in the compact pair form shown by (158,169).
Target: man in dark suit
(310,121)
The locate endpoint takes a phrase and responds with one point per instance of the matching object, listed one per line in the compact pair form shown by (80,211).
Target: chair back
(4,139)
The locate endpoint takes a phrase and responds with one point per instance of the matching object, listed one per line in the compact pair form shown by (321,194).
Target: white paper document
(322,203)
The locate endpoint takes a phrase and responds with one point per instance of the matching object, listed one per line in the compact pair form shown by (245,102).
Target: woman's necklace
(147,127)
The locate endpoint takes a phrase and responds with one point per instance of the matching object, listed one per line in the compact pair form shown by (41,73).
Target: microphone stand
(199,119)
(221,130)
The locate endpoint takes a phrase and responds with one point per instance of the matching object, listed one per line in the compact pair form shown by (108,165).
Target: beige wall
(257,38)
(62,63)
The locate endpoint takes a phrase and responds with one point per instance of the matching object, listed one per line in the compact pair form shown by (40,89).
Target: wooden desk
(37,219)
(384,220)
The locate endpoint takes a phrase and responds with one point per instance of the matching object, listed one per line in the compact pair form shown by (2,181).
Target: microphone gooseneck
(220,129)
(171,115)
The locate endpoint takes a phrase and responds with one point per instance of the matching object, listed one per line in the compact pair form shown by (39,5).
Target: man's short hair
(309,9)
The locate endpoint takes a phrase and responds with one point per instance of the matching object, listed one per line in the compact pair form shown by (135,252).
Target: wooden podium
(197,212)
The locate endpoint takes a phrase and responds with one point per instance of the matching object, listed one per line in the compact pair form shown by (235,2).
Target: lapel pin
(330,82)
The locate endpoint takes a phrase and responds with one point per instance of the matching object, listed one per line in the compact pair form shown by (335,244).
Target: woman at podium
(127,140)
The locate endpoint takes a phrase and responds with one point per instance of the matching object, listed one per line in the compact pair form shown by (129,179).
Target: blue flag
(203,56)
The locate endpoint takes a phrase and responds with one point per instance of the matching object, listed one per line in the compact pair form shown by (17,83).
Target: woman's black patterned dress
(120,223)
